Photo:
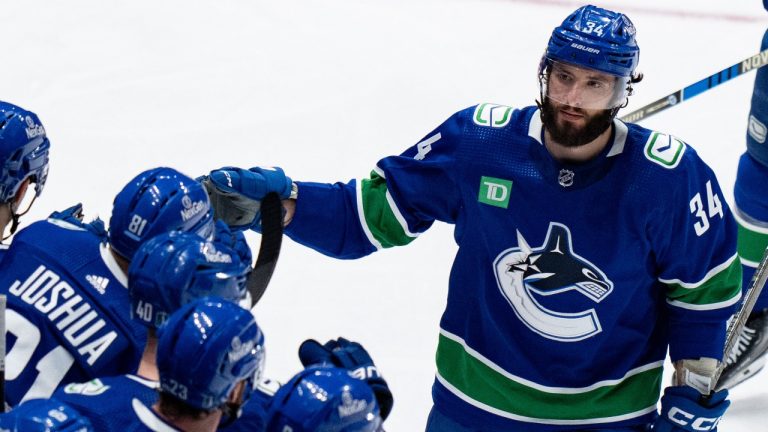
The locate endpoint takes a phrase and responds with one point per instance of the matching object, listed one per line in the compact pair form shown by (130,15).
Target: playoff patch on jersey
(665,150)
(492,115)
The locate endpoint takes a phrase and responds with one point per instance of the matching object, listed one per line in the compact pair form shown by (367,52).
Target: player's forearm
(324,217)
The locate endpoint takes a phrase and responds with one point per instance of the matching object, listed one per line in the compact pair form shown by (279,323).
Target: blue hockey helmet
(157,201)
(324,398)
(174,268)
(205,349)
(596,38)
(24,148)
(44,415)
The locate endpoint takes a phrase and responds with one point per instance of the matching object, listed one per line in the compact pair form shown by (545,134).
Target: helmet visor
(582,87)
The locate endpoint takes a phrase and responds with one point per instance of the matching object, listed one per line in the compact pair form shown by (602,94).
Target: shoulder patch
(91,388)
(665,150)
(492,115)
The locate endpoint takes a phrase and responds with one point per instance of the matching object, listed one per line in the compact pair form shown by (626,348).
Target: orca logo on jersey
(524,273)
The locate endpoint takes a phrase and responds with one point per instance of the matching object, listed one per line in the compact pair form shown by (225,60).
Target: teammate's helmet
(324,399)
(157,201)
(205,349)
(174,268)
(24,150)
(596,38)
(44,415)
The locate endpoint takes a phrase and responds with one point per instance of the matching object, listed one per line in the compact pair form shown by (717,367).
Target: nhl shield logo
(565,177)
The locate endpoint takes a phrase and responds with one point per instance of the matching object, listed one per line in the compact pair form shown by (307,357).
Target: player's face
(573,127)
(584,88)
(578,104)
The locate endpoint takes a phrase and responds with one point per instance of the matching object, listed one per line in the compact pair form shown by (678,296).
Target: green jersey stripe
(361,216)
(752,241)
(384,222)
(485,385)
(720,290)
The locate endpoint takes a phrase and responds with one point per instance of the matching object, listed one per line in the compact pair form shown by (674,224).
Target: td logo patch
(494,191)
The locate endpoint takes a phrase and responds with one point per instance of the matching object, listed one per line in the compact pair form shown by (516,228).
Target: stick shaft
(676,97)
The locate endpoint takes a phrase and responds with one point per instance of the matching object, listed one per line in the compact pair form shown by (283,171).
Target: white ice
(324,89)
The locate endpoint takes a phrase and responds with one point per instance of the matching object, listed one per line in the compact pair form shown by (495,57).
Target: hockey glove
(74,216)
(682,410)
(236,193)
(353,357)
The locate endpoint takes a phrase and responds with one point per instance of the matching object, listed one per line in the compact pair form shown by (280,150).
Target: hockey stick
(754,62)
(271,240)
(740,318)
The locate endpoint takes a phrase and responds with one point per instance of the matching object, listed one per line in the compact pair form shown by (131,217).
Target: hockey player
(208,353)
(324,398)
(586,248)
(68,308)
(24,148)
(167,272)
(751,210)
(44,415)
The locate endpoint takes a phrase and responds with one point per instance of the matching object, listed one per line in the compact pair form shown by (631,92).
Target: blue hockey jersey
(570,281)
(120,402)
(68,317)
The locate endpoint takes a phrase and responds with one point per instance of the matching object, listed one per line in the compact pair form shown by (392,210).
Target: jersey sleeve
(696,237)
(400,198)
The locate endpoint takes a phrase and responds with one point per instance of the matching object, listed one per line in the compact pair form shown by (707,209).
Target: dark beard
(569,136)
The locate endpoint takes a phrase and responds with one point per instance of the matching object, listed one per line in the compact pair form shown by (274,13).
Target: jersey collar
(569,175)
(536,131)
(112,265)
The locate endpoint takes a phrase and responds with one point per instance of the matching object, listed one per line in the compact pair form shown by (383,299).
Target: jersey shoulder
(109,401)
(486,116)
(667,152)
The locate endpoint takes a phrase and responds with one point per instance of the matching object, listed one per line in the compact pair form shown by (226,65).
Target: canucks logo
(525,274)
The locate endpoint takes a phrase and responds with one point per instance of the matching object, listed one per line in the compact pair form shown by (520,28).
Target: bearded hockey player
(587,247)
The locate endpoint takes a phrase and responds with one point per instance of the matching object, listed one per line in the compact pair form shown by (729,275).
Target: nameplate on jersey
(492,115)
(665,150)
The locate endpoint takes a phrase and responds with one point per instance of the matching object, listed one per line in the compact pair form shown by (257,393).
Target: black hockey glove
(353,357)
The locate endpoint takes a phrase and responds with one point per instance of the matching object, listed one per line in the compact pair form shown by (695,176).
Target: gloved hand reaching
(236,193)
(353,357)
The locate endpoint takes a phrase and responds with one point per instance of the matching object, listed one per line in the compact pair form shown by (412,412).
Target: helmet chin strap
(230,412)
(15,217)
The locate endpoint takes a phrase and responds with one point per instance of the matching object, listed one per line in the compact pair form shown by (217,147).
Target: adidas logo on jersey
(99,283)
